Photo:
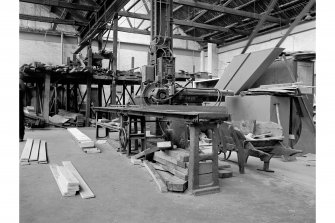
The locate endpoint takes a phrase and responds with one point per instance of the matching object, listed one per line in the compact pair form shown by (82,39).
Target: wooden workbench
(198,118)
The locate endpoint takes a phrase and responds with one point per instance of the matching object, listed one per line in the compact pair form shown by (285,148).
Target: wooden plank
(46,97)
(175,172)
(247,68)
(160,145)
(56,176)
(85,191)
(27,150)
(42,156)
(83,140)
(170,159)
(173,183)
(35,150)
(181,155)
(157,178)
(68,177)
(170,165)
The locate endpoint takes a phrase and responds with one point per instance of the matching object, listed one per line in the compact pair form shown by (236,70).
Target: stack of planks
(69,181)
(170,170)
(34,152)
(84,141)
(286,89)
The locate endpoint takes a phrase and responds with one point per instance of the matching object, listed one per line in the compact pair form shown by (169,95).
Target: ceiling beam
(296,21)
(51,20)
(62,4)
(203,12)
(199,25)
(134,15)
(184,23)
(63,15)
(222,9)
(146,32)
(259,25)
(100,18)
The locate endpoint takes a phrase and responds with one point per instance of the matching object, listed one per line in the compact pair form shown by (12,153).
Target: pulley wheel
(123,138)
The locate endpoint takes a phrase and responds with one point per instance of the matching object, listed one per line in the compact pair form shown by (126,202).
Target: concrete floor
(127,193)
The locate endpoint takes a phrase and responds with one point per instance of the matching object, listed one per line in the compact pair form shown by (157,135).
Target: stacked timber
(69,181)
(83,141)
(169,167)
(34,152)
(286,89)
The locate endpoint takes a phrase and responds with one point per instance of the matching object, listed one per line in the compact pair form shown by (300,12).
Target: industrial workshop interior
(166,111)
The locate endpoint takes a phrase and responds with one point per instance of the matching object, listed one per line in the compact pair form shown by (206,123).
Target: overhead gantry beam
(205,26)
(222,9)
(184,23)
(51,20)
(63,4)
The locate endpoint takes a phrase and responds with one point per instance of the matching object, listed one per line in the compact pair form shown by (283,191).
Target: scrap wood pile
(66,118)
(34,152)
(83,141)
(69,181)
(73,68)
(287,89)
(168,166)
(61,69)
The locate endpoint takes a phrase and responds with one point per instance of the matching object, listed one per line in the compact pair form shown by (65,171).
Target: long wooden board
(174,171)
(173,183)
(157,178)
(42,156)
(85,191)
(172,165)
(34,151)
(181,155)
(26,150)
(170,159)
(83,140)
(55,174)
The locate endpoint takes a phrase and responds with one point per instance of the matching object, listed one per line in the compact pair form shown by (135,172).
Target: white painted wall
(47,49)
(302,38)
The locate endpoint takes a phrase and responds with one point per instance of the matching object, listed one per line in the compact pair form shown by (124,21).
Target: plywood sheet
(247,69)
(231,70)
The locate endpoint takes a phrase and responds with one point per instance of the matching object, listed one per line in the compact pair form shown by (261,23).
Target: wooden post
(132,67)
(46,97)
(75,97)
(100,86)
(68,95)
(88,100)
(193,169)
(55,104)
(37,100)
(115,34)
(124,94)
